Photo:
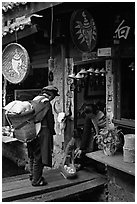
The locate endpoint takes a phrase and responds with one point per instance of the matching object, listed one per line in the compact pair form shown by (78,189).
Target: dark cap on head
(50,88)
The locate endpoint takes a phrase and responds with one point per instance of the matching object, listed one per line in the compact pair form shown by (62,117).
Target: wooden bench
(19,189)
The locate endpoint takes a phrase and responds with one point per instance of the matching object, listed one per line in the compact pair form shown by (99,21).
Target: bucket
(129,155)
(28,131)
(129,141)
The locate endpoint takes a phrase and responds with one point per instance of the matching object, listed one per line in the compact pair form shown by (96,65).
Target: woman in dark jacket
(40,149)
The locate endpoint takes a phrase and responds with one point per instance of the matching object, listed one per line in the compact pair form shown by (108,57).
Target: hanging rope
(51,60)
(16,36)
(4,92)
(51,31)
(10,124)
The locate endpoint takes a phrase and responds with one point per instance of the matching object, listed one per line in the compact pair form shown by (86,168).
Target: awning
(18,24)
(16,16)
(6,6)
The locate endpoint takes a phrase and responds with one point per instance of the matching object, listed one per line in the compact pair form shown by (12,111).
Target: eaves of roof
(18,23)
(6,6)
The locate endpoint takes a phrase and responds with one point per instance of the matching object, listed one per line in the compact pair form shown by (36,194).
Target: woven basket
(28,131)
(66,173)
(67,166)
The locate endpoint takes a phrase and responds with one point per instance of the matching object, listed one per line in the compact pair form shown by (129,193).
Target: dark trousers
(35,160)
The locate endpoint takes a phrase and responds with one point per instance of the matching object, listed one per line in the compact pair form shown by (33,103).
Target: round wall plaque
(83,30)
(15,63)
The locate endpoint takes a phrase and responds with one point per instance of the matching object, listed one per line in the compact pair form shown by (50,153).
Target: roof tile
(9,5)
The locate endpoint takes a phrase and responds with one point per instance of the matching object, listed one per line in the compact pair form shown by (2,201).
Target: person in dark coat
(41,148)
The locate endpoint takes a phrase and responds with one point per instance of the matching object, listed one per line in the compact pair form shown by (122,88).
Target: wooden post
(109,94)
(69,103)
(4,99)
(63,73)
(4,91)
(63,84)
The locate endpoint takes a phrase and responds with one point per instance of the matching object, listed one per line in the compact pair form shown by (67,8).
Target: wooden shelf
(125,123)
(99,59)
(116,161)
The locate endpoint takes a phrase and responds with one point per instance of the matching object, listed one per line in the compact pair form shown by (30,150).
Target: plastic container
(129,141)
(129,155)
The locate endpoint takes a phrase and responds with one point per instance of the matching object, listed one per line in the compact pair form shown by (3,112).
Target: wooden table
(115,161)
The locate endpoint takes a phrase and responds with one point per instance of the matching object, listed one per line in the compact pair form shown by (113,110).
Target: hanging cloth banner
(83,30)
(15,63)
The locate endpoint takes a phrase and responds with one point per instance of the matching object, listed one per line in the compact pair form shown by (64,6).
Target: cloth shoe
(41,182)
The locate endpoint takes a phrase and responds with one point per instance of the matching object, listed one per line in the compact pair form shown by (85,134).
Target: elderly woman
(40,149)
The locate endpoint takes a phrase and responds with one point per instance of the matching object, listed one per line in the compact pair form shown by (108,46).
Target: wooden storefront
(114,50)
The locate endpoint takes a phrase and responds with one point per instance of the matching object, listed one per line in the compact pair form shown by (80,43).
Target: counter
(116,161)
(120,176)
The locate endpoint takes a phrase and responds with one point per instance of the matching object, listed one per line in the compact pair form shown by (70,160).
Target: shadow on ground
(9,168)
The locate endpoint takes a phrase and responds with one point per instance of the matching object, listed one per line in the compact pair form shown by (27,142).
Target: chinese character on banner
(122,31)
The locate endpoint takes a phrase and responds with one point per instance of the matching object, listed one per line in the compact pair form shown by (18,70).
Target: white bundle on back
(17,107)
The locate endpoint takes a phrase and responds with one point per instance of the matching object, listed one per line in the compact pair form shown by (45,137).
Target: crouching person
(95,119)
(40,149)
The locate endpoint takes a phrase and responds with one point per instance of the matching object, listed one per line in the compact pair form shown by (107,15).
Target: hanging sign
(15,63)
(83,30)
